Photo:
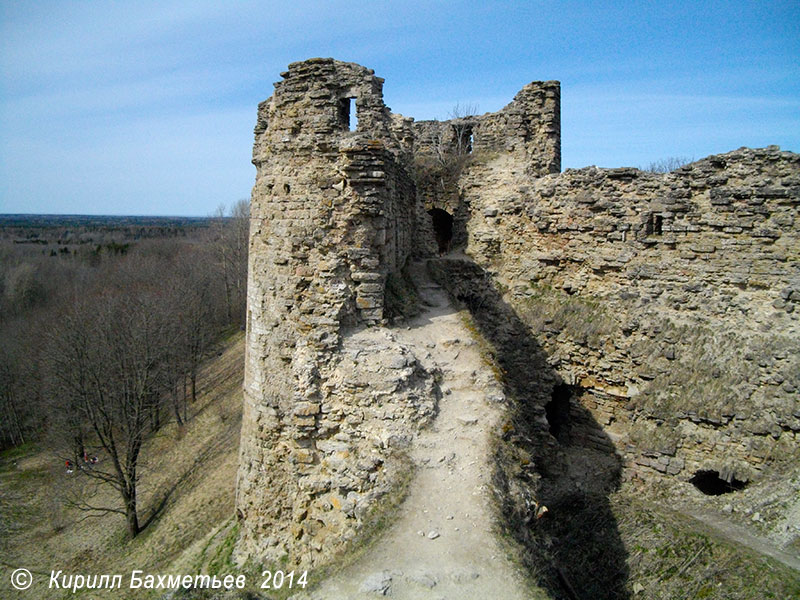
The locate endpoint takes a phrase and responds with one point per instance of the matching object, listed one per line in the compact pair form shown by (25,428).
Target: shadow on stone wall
(556,457)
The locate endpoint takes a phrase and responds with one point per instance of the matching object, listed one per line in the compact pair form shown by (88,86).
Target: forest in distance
(104,322)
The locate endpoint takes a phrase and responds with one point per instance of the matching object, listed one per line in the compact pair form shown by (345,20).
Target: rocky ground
(656,539)
(442,543)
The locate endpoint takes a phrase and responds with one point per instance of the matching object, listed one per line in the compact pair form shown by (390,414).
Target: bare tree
(69,362)
(195,306)
(450,145)
(462,122)
(231,241)
(109,357)
(96,352)
(666,165)
(451,140)
(12,426)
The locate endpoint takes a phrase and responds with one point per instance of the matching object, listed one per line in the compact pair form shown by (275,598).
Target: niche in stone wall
(654,225)
(348,113)
(711,484)
(442,228)
(557,412)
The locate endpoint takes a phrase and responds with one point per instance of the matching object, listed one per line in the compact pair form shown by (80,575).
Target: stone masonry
(691,279)
(333,213)
(685,286)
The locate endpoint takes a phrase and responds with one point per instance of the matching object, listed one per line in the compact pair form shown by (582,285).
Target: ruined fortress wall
(528,128)
(726,224)
(333,213)
(666,303)
(525,133)
(686,285)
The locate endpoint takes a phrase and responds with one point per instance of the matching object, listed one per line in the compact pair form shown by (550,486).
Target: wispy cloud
(149,106)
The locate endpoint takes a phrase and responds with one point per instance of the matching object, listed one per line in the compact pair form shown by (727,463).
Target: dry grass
(657,551)
(582,319)
(191,469)
(719,376)
(673,556)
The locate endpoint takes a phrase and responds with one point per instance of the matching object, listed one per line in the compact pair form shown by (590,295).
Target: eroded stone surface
(683,283)
(666,304)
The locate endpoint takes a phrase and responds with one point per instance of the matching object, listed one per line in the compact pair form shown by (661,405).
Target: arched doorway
(442,228)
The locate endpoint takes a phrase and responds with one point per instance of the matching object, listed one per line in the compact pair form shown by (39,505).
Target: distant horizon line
(109,215)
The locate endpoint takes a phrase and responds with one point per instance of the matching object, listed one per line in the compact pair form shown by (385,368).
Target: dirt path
(442,544)
(742,536)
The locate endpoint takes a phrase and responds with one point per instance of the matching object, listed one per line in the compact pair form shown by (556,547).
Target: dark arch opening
(442,227)
(557,411)
(711,484)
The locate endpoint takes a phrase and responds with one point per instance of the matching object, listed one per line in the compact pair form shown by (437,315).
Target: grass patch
(221,561)
(10,455)
(626,546)
(673,556)
(487,351)
(584,320)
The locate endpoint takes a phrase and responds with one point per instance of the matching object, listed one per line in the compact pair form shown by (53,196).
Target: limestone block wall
(526,134)
(333,212)
(669,300)
(528,128)
(666,304)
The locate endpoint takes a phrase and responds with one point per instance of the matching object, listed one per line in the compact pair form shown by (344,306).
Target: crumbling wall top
(320,103)
(529,128)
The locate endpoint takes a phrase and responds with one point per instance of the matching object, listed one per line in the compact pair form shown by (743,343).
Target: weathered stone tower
(335,210)
(664,306)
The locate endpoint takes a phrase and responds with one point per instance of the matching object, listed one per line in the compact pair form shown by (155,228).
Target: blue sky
(148,107)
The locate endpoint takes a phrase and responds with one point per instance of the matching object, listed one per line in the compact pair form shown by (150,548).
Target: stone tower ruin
(347,192)
(335,211)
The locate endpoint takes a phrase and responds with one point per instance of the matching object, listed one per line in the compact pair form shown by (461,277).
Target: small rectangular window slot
(655,225)
(348,114)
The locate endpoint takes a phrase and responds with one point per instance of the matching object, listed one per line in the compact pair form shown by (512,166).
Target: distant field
(77,230)
(23,220)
